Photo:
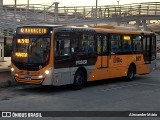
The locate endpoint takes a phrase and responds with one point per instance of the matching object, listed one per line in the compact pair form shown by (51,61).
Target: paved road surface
(114,95)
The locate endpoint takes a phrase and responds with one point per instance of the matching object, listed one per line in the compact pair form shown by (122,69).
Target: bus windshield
(31,50)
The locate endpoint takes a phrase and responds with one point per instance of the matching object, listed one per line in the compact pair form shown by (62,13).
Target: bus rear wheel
(79,81)
(131,73)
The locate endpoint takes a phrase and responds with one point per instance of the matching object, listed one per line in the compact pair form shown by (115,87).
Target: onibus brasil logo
(21,114)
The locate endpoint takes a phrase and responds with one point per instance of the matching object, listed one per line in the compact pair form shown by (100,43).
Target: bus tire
(79,81)
(131,73)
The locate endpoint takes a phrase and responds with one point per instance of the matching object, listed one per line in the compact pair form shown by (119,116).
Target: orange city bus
(58,55)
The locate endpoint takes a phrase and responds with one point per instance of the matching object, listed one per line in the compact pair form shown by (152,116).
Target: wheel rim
(79,80)
(131,73)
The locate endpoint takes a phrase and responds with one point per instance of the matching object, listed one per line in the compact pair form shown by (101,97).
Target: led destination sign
(32,30)
(23,41)
(21,54)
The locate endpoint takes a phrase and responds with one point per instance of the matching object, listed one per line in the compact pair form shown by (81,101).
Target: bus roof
(115,27)
(119,31)
(98,29)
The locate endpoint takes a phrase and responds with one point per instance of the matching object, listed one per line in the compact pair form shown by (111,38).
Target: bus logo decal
(117,60)
(81,62)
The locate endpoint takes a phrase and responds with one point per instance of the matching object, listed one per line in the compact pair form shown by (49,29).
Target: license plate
(27,78)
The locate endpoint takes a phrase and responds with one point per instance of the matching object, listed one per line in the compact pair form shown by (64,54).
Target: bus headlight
(48,76)
(12,69)
(47,72)
(40,76)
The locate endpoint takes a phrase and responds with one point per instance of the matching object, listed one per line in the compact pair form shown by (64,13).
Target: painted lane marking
(120,87)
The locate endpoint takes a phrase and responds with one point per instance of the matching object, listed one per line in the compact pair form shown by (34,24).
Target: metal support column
(56,11)
(137,24)
(1,51)
(144,24)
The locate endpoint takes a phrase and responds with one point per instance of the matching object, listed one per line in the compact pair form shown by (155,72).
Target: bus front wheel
(131,73)
(79,80)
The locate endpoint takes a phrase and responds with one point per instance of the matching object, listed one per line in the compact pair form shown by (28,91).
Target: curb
(4,70)
(6,79)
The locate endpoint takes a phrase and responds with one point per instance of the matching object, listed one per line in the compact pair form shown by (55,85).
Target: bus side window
(84,46)
(74,43)
(91,44)
(105,45)
(87,44)
(137,43)
(115,43)
(83,43)
(127,43)
(98,44)
(127,46)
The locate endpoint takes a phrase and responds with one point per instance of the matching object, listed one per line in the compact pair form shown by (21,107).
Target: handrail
(11,17)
